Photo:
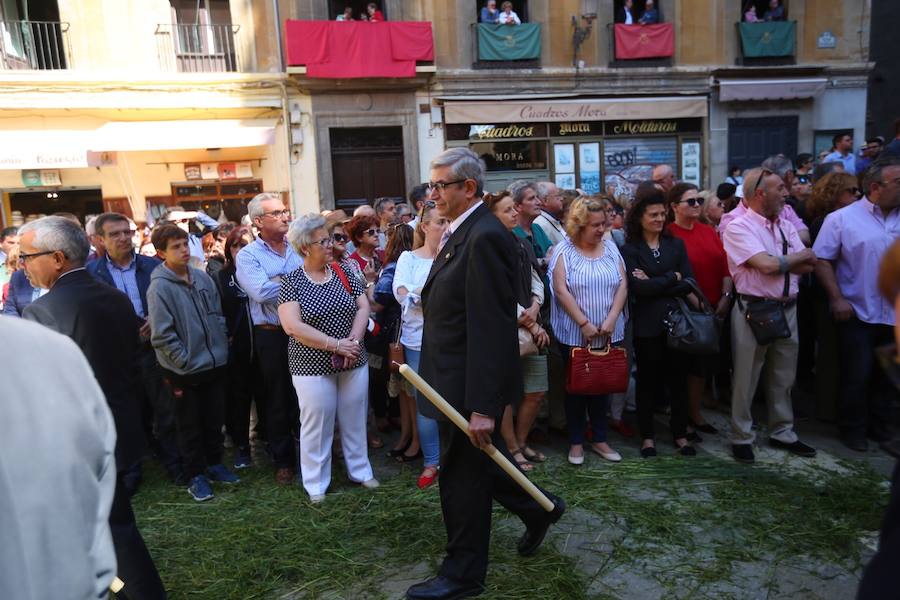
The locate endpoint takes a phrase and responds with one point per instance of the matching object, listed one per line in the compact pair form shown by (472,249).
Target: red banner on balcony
(644,41)
(341,50)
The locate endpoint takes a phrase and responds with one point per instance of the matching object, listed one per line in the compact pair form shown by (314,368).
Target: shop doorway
(751,141)
(367,163)
(33,205)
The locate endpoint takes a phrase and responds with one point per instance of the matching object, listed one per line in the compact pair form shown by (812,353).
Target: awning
(770,89)
(44,148)
(583,109)
(124,136)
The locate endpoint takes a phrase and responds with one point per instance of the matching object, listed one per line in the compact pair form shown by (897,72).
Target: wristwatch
(729,295)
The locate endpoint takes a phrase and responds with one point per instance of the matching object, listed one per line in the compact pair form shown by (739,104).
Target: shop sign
(496,131)
(512,156)
(652,127)
(41,178)
(579,128)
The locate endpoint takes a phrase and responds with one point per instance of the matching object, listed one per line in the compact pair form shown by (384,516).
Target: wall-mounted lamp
(581,33)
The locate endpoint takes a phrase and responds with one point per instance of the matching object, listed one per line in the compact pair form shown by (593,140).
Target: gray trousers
(779,362)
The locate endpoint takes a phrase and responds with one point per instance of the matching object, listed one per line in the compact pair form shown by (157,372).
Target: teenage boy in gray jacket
(187,331)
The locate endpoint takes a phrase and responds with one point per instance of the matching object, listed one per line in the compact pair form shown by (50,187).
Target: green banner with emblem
(776,38)
(509,42)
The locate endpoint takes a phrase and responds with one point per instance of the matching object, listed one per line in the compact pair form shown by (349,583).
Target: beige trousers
(779,360)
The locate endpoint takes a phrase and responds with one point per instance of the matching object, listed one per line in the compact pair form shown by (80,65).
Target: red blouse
(707,257)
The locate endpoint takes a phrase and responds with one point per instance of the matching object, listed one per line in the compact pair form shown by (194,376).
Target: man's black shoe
(533,536)
(443,588)
(743,453)
(798,447)
(856,443)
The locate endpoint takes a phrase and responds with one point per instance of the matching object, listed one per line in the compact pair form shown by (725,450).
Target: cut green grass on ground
(669,527)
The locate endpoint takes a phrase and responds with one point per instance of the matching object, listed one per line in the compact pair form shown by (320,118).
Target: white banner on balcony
(583,109)
(183,135)
(770,89)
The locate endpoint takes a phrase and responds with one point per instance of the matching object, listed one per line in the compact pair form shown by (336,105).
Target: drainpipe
(276,12)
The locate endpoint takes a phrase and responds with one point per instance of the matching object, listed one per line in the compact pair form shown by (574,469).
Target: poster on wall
(564,158)
(590,182)
(192,171)
(243,170)
(227,170)
(565,181)
(589,157)
(209,171)
(690,162)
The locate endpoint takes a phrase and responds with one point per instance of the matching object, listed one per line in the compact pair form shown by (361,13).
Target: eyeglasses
(692,202)
(340,238)
(853,190)
(373,232)
(440,186)
(803,179)
(750,190)
(120,234)
(278,214)
(24,256)
(325,242)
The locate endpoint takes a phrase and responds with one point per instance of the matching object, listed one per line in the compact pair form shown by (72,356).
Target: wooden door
(367,163)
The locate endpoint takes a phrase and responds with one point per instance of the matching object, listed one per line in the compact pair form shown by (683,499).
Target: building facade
(141,105)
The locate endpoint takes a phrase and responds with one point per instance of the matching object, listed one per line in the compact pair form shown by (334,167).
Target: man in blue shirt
(260,267)
(843,152)
(129,272)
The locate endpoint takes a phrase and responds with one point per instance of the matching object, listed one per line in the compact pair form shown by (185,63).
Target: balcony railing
(190,48)
(768,43)
(506,46)
(35,45)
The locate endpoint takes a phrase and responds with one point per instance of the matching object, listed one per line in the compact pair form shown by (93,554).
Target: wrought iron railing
(37,45)
(191,48)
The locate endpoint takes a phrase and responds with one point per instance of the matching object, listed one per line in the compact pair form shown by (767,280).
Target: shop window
(358,7)
(771,10)
(520,7)
(638,9)
(34,204)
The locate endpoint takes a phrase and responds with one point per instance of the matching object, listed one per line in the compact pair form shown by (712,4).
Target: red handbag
(595,372)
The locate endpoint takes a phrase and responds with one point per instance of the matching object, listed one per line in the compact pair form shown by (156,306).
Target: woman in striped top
(589,291)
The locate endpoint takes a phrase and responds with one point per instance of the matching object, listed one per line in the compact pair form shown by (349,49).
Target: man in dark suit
(102,322)
(21,294)
(470,356)
(129,273)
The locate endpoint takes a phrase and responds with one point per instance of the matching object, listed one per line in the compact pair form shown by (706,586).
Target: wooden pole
(458,420)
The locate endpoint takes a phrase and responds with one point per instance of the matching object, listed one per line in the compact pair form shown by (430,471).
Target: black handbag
(766,316)
(690,331)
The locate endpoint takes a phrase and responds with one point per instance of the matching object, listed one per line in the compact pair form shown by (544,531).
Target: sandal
(375,441)
(523,464)
(532,455)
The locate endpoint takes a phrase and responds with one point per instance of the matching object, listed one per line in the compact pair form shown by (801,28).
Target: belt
(267,327)
(787,302)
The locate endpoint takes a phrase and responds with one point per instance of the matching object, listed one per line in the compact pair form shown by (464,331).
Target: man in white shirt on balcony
(625,16)
(507,15)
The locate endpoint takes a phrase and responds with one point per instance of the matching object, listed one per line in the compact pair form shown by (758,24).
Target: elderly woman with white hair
(324,311)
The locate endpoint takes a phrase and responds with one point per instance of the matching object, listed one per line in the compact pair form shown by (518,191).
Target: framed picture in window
(564,158)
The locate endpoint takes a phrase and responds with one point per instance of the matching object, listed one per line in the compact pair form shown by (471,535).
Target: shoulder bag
(526,343)
(765,316)
(596,372)
(690,331)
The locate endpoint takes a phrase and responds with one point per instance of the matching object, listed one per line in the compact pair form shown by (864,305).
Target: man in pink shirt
(766,258)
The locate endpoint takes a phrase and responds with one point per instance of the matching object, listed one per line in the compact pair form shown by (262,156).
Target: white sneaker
(370,484)
(576,460)
(317,498)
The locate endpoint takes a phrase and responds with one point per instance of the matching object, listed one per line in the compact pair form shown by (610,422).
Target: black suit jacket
(653,298)
(470,348)
(102,321)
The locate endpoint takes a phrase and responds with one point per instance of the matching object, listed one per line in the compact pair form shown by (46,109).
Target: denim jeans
(429,438)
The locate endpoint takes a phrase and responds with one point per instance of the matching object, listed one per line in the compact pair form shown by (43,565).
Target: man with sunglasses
(766,258)
(470,356)
(260,265)
(850,246)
